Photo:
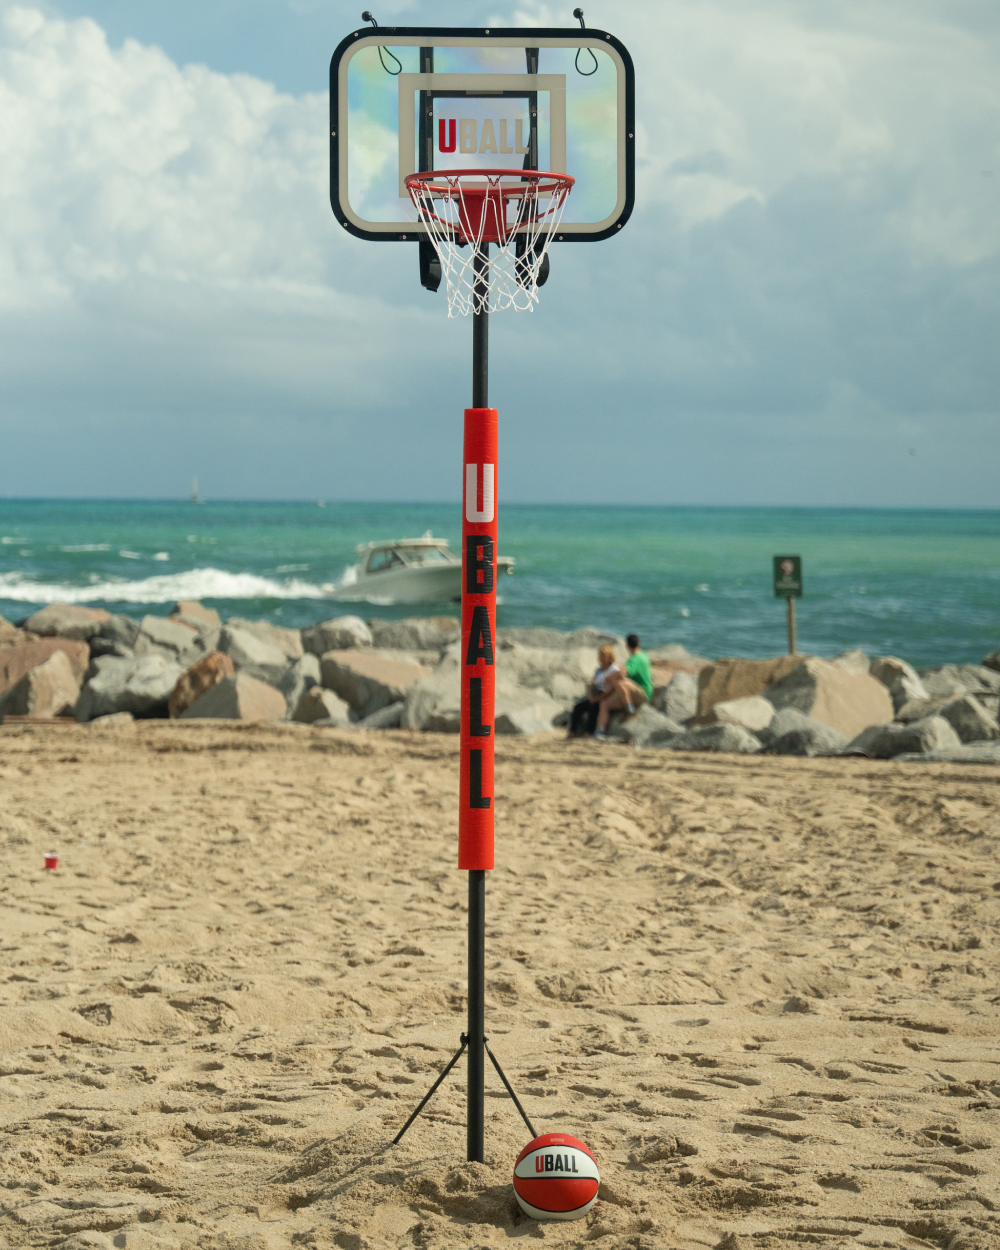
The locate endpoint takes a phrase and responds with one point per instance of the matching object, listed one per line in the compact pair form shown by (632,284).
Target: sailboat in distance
(195,496)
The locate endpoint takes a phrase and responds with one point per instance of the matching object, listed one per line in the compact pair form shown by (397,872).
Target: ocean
(923,585)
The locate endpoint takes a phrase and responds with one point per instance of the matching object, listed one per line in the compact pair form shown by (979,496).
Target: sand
(764,990)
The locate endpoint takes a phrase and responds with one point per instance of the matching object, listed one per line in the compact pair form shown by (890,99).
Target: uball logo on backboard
(464,134)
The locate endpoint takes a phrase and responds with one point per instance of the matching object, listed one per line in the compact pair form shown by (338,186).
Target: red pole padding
(479,631)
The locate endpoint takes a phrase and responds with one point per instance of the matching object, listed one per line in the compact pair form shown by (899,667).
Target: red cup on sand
(51,861)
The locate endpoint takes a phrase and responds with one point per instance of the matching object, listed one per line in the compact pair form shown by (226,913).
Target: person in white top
(609,688)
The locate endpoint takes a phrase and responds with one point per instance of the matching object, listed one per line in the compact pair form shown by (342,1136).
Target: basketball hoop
(465,210)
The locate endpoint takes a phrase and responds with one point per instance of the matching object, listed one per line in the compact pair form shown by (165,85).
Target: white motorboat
(406,570)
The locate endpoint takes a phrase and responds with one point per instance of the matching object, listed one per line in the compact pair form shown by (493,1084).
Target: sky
(803,309)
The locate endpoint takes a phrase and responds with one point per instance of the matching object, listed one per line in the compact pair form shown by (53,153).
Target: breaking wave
(195,584)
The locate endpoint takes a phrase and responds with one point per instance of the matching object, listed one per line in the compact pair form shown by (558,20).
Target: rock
(899,678)
(970,720)
(847,702)
(107,646)
(287,641)
(713,738)
(254,656)
(390,717)
(675,654)
(960,679)
(917,709)
(11,636)
(992,661)
(416,633)
(199,678)
(563,674)
(520,711)
(342,633)
(679,699)
(319,704)
(113,719)
(367,681)
(853,661)
(67,620)
(161,635)
(883,742)
(239,697)
(973,753)
(753,712)
(587,638)
(49,689)
(17,660)
(302,676)
(195,612)
(121,629)
(812,738)
(141,686)
(735,679)
(645,726)
(433,702)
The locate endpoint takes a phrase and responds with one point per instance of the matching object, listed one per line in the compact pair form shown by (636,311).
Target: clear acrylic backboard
(411,99)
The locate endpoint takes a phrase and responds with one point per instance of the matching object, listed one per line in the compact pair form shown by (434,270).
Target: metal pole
(477,877)
(481,333)
(791,625)
(474,1124)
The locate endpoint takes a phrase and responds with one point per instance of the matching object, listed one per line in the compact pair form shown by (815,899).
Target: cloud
(809,279)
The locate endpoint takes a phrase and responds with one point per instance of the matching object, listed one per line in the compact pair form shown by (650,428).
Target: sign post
(788,586)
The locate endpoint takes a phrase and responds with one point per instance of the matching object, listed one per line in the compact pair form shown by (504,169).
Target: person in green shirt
(637,667)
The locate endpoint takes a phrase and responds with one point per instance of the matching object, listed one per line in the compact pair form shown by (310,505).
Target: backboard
(409,99)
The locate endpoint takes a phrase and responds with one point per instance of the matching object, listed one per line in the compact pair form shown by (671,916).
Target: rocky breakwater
(68,661)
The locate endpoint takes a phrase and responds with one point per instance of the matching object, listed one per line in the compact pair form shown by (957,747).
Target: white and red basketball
(556,1178)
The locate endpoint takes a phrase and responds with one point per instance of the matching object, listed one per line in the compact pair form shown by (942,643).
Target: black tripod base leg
(429,1095)
(510,1090)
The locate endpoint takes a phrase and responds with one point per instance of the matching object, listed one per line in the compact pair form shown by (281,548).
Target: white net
(465,212)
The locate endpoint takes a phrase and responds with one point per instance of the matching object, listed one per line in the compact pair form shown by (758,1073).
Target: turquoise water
(921,584)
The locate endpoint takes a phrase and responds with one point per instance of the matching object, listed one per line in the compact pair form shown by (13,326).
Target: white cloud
(814,250)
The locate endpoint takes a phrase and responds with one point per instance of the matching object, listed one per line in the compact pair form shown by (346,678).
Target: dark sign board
(787,577)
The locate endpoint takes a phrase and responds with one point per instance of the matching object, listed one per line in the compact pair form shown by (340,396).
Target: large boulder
(434,702)
(970,720)
(342,633)
(300,677)
(732,738)
(367,681)
(736,679)
(198,679)
(254,656)
(416,633)
(319,704)
(753,712)
(288,641)
(15,661)
(587,638)
(883,742)
(846,701)
(563,674)
(992,661)
(899,678)
(521,711)
(390,717)
(646,728)
(678,700)
(791,732)
(853,661)
(120,630)
(196,613)
(959,679)
(161,635)
(49,689)
(68,620)
(141,685)
(239,697)
(11,636)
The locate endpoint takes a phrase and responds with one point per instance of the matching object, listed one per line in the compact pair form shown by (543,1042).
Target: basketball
(556,1178)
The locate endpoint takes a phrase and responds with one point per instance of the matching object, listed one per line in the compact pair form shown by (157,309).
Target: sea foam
(194,584)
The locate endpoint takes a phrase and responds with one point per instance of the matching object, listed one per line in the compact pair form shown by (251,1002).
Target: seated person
(637,667)
(585,714)
(623,693)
